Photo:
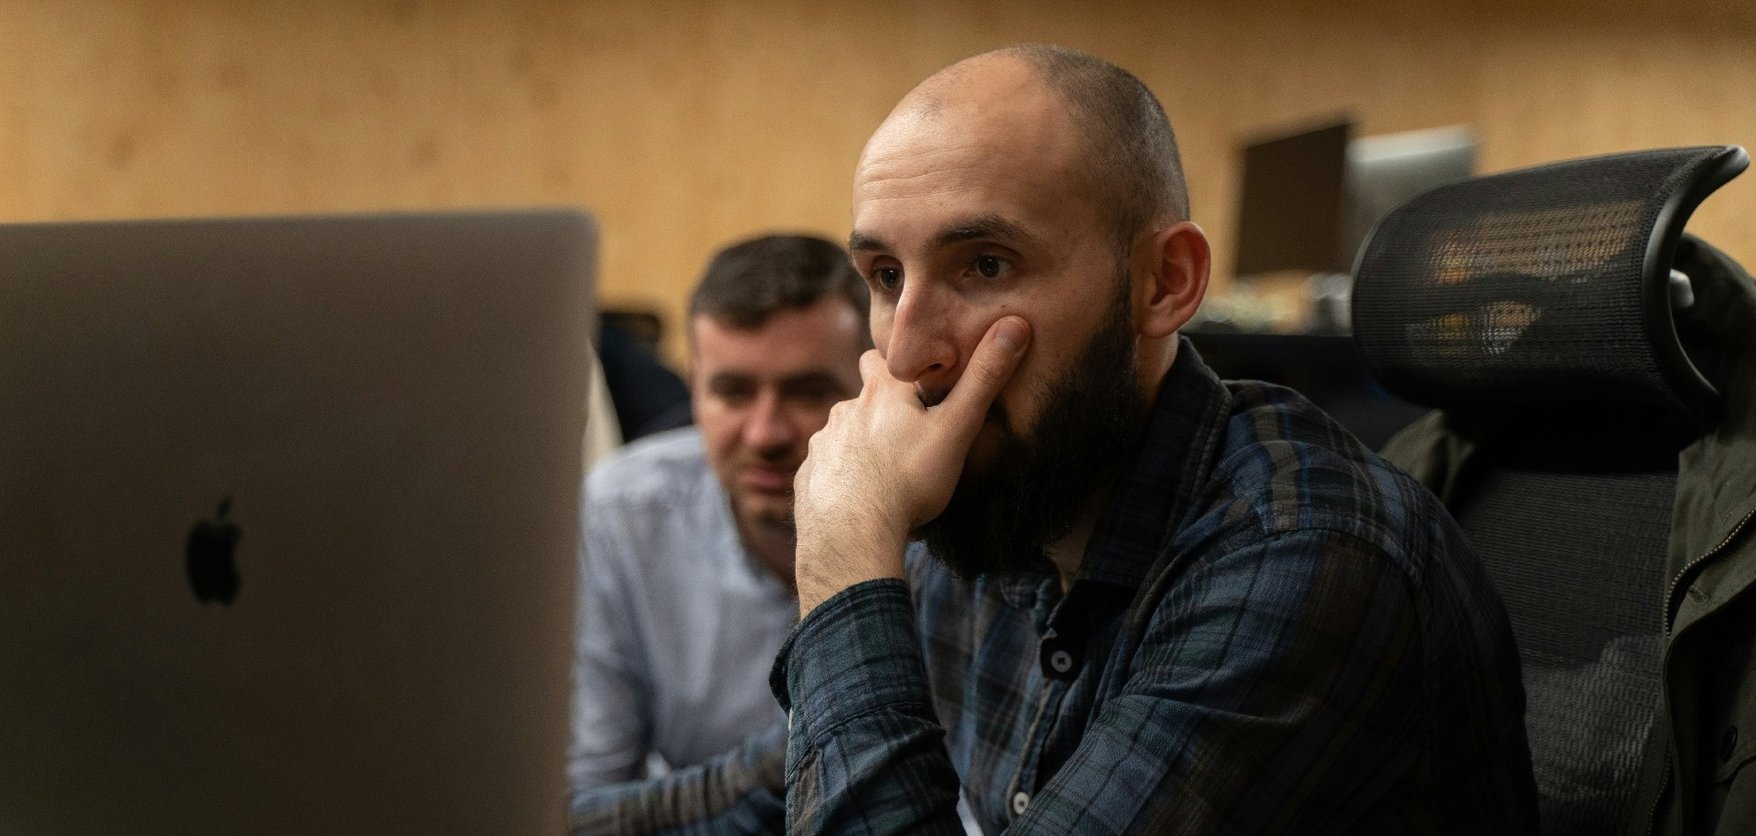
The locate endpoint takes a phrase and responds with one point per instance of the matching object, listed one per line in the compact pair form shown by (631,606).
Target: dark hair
(1134,152)
(748,281)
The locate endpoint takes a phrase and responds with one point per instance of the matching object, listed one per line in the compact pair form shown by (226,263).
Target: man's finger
(990,366)
(872,367)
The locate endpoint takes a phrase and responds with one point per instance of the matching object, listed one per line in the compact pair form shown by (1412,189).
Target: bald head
(1127,152)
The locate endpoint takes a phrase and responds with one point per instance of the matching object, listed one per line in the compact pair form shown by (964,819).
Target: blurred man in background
(687,556)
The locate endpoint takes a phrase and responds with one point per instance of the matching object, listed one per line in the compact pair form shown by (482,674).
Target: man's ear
(1170,279)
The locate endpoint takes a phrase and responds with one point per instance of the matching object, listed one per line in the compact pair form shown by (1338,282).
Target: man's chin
(984,454)
(765,508)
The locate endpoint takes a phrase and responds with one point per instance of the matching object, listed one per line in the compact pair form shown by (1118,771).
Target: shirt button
(1728,743)
(1061,661)
(1020,801)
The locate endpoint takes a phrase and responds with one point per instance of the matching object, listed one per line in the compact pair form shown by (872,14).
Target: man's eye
(889,278)
(989,266)
(816,393)
(733,393)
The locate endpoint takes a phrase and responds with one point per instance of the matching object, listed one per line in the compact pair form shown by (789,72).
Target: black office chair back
(1536,309)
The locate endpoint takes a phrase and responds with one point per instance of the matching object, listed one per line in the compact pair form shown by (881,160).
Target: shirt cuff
(855,653)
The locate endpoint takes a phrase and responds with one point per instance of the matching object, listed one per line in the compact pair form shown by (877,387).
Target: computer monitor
(1290,206)
(1385,171)
(1310,196)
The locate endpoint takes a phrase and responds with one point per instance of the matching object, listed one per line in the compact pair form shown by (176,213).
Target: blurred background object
(686,123)
(649,397)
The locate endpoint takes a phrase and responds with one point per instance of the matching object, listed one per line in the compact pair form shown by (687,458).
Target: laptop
(288,517)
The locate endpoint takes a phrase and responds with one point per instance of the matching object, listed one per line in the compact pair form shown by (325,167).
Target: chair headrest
(1542,287)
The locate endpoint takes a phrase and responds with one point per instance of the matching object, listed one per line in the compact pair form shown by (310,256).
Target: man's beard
(1040,481)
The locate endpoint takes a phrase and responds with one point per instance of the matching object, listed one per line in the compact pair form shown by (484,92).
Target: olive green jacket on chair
(1699,775)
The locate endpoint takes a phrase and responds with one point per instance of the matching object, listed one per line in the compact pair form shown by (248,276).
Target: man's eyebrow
(729,378)
(860,242)
(985,226)
(972,229)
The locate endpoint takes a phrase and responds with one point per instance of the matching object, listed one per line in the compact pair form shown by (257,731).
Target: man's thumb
(992,364)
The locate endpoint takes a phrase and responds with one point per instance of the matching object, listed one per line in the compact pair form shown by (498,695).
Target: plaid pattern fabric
(1273,630)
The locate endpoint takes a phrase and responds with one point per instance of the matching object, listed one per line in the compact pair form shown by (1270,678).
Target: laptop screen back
(288,521)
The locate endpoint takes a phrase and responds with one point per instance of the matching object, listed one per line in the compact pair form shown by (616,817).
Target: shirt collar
(1176,452)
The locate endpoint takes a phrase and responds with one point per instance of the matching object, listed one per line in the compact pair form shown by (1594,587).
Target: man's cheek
(1015,406)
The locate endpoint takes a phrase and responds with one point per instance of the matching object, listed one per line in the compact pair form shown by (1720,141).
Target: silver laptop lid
(287,521)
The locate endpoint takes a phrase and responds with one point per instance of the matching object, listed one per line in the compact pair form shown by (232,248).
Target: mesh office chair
(1538,310)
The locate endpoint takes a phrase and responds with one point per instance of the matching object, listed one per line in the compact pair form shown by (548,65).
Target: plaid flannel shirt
(1273,629)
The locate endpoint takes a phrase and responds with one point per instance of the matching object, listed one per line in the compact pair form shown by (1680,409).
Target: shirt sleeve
(866,754)
(1262,678)
(740,792)
(611,727)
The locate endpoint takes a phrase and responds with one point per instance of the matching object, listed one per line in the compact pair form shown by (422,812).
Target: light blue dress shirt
(678,623)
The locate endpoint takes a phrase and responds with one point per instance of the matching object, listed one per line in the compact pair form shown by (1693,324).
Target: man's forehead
(971,134)
(1007,121)
(745,369)
(815,335)
(950,187)
(994,88)
(993,76)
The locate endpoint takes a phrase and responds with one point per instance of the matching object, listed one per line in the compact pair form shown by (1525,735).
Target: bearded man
(1150,600)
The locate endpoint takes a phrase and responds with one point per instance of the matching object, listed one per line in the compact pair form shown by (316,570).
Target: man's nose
(922,347)
(769,427)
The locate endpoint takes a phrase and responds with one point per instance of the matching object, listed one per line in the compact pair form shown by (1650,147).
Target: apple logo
(213,572)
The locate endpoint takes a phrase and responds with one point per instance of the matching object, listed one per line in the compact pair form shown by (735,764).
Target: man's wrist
(831,558)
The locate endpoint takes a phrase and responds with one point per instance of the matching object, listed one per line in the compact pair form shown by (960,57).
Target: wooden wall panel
(686,123)
(1565,90)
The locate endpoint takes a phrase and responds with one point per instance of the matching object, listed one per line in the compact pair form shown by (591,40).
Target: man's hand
(885,465)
